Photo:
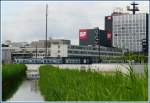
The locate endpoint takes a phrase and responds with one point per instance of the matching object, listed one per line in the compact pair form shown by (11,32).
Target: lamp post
(99,46)
(97,42)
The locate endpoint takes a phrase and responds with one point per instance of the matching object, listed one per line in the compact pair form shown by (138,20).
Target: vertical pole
(46,31)
(133,8)
(99,45)
(36,52)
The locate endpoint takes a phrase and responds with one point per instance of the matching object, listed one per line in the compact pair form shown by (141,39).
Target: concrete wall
(59,50)
(6,56)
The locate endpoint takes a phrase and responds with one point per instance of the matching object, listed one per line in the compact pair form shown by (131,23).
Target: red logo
(109,35)
(83,34)
(109,17)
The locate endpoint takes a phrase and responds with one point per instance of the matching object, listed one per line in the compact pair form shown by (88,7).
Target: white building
(59,49)
(16,44)
(41,43)
(130,31)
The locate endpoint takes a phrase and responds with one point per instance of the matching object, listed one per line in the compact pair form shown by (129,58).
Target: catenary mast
(46,31)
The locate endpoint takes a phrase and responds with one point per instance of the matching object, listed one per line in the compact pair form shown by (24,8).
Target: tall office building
(108,28)
(109,25)
(130,32)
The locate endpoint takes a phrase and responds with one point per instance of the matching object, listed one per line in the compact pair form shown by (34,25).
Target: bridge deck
(32,71)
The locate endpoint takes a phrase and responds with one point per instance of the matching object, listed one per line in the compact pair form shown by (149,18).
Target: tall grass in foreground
(74,85)
(12,76)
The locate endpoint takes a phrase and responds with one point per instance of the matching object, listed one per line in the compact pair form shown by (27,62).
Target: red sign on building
(109,17)
(83,34)
(109,35)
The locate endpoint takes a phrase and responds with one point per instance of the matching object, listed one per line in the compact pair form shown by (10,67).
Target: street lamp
(97,42)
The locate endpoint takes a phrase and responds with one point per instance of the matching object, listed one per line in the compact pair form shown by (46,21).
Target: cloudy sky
(25,20)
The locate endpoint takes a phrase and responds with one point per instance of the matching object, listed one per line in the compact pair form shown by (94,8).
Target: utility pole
(99,46)
(36,52)
(46,31)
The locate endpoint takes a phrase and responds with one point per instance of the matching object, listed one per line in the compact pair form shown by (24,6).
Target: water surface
(28,91)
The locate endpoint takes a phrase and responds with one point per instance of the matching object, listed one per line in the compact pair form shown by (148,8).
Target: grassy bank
(74,85)
(12,76)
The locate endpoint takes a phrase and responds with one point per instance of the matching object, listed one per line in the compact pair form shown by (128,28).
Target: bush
(12,75)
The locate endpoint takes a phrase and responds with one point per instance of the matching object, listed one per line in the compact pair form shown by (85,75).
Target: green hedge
(74,85)
(12,76)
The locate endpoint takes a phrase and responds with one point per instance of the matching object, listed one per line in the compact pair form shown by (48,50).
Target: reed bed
(80,85)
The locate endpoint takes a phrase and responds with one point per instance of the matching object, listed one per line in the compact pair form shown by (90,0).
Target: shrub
(12,75)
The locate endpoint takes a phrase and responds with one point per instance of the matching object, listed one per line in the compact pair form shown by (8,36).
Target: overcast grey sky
(25,20)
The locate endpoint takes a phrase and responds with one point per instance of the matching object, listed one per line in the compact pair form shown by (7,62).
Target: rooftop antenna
(46,31)
(134,8)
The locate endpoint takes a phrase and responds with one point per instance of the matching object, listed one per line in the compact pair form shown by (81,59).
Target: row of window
(130,17)
(129,27)
(101,54)
(38,61)
(93,48)
(137,30)
(41,55)
(129,21)
(129,38)
(130,47)
(92,53)
(130,34)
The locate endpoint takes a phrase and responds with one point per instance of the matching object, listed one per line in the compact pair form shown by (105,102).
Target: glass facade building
(130,32)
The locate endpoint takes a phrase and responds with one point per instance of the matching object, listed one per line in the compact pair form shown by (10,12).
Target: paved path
(139,68)
(33,66)
(103,67)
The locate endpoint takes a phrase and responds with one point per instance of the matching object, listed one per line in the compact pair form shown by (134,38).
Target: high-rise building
(130,32)
(108,28)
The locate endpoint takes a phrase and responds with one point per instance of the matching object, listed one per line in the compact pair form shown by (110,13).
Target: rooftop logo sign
(109,35)
(109,17)
(83,34)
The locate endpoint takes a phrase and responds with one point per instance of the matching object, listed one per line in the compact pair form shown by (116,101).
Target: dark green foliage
(74,85)
(12,76)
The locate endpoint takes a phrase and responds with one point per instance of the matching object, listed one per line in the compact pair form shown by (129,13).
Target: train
(53,60)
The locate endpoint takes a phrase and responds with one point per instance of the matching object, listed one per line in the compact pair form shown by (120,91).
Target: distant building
(108,28)
(41,43)
(61,49)
(15,44)
(91,37)
(6,55)
(130,32)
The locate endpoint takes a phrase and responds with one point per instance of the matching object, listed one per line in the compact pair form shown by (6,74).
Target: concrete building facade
(59,50)
(130,32)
